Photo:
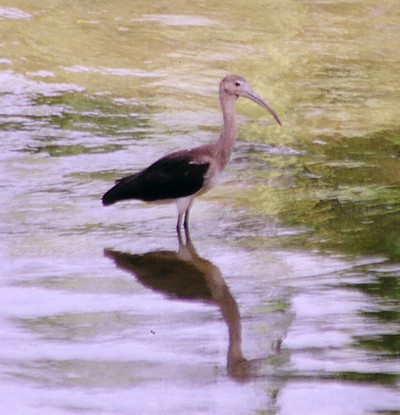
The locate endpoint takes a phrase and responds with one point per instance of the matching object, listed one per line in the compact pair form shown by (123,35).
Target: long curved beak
(250,94)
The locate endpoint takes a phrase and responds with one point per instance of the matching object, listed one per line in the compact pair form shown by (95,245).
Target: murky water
(286,301)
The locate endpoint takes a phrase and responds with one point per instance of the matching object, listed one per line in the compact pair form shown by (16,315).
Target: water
(287,300)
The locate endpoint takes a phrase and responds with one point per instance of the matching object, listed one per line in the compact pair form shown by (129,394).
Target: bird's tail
(109,197)
(116,193)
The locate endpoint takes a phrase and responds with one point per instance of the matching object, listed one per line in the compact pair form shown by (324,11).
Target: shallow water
(286,301)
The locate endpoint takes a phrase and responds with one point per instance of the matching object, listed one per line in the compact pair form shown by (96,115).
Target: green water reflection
(345,192)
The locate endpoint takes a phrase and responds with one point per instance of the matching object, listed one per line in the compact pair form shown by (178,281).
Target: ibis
(183,175)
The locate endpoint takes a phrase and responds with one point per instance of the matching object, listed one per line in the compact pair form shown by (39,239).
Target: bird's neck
(227,139)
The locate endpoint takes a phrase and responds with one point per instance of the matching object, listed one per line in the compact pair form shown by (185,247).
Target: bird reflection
(186,275)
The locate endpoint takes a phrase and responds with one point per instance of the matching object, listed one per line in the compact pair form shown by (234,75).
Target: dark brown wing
(173,176)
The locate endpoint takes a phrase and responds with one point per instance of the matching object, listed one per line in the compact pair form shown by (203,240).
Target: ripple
(12,83)
(12,13)
(178,20)
(103,70)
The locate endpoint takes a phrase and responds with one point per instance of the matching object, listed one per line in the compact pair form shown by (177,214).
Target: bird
(183,175)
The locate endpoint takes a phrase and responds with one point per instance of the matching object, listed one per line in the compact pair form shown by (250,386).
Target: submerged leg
(188,239)
(185,243)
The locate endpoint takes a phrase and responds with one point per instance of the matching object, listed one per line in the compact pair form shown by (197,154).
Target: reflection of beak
(250,94)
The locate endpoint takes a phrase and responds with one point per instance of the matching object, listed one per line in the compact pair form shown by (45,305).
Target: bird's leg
(179,223)
(186,221)
(180,238)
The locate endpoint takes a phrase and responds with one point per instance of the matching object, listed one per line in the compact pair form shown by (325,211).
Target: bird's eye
(238,83)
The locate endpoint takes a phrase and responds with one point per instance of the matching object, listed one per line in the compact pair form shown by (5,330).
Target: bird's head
(237,86)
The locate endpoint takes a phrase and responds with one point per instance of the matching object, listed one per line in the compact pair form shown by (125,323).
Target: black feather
(170,177)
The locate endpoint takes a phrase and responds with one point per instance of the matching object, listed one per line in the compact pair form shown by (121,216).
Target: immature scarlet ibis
(183,175)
